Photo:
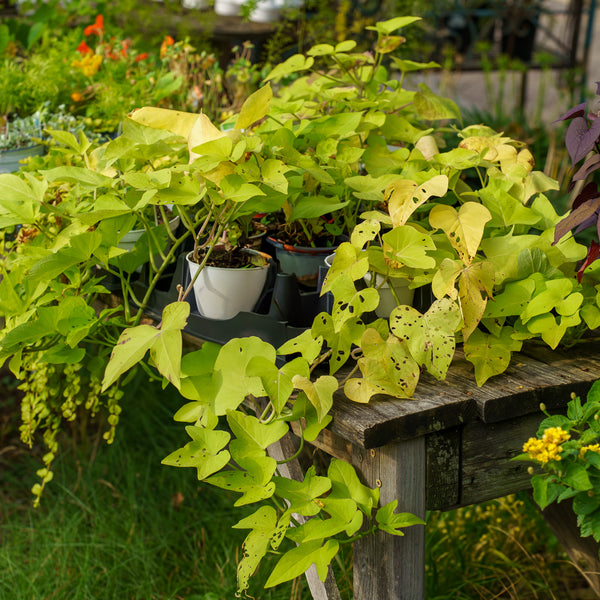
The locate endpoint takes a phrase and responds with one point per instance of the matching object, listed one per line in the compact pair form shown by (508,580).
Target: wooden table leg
(388,567)
(283,449)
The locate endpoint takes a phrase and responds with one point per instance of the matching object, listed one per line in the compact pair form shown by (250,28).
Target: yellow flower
(89,64)
(548,448)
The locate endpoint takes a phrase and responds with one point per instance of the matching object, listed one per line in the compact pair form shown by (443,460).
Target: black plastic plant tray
(283,312)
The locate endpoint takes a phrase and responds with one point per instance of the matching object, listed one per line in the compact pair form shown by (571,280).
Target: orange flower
(168,41)
(142,56)
(97,28)
(77,97)
(84,49)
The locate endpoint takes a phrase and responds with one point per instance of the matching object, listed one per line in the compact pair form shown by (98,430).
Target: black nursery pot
(518,36)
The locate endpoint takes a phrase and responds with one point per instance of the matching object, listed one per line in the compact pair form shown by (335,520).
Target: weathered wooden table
(450,446)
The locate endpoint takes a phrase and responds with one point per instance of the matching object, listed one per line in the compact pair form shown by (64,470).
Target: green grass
(116,524)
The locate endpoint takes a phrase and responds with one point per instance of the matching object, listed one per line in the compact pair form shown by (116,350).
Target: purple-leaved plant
(583,144)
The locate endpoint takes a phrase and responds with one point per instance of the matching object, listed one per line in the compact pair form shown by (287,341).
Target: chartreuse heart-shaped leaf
(293,64)
(348,259)
(164,344)
(432,107)
(405,196)
(464,228)
(555,292)
(550,329)
(475,280)
(346,511)
(366,231)
(255,107)
(252,479)
(391,522)
(512,300)
(304,411)
(263,524)
(489,354)
(346,484)
(340,343)
(20,199)
(391,25)
(590,313)
(166,350)
(278,386)
(430,337)
(197,382)
(406,246)
(387,368)
(306,344)
(297,560)
(319,392)
(302,495)
(176,121)
(233,390)
(444,280)
(205,452)
(248,427)
(349,303)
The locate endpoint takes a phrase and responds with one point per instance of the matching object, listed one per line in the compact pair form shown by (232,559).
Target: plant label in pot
(222,293)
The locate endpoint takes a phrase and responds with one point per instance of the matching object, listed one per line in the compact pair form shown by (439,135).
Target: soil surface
(229,259)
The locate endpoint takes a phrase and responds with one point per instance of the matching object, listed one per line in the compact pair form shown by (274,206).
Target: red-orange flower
(141,56)
(84,49)
(97,28)
(168,41)
(76,97)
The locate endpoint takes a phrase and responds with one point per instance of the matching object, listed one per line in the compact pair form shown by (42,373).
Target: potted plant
(234,182)
(470,238)
(332,125)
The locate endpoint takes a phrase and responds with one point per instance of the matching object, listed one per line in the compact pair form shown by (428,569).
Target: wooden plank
(486,466)
(547,377)
(388,567)
(439,405)
(443,468)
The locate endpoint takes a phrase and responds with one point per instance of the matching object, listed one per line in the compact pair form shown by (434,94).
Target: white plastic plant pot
(269,11)
(387,301)
(228,8)
(222,293)
(195,4)
(10,160)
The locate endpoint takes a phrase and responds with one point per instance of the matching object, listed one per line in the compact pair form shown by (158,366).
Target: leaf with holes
(305,344)
(474,281)
(464,228)
(263,524)
(366,231)
(429,337)
(350,303)
(405,196)
(340,343)
(387,368)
